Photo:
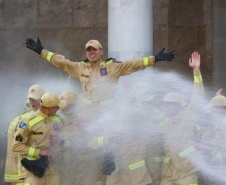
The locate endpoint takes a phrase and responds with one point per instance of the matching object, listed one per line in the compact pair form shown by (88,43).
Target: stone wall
(64,26)
(184,26)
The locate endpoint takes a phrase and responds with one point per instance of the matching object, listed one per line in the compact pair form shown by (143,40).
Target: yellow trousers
(45,180)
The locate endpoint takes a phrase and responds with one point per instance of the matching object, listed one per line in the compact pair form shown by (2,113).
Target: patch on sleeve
(22,125)
(55,127)
(19,137)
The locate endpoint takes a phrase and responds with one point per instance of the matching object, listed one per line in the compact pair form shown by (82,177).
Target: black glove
(111,59)
(37,167)
(35,46)
(86,60)
(109,164)
(160,56)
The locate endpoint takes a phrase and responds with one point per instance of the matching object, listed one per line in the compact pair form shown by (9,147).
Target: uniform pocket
(37,139)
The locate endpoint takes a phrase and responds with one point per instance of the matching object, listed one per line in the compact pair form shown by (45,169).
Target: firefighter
(68,111)
(212,141)
(80,160)
(12,174)
(152,131)
(98,78)
(180,153)
(56,142)
(32,140)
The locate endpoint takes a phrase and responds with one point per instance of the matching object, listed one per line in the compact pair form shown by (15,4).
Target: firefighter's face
(68,110)
(94,54)
(34,104)
(53,110)
(219,110)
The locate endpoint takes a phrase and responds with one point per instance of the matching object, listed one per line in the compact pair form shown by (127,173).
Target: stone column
(219,44)
(130,29)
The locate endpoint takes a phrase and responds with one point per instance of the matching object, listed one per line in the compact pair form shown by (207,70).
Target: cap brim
(33,96)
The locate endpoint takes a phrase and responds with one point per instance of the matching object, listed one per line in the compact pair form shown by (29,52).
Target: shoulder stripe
(55,118)
(84,63)
(35,120)
(27,114)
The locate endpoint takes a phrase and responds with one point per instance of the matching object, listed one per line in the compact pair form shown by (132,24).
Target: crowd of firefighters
(96,142)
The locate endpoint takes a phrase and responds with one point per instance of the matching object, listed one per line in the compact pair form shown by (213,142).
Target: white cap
(69,97)
(94,43)
(51,100)
(143,96)
(174,97)
(35,92)
(218,101)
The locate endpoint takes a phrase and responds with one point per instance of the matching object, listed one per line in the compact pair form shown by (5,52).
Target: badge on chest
(103,71)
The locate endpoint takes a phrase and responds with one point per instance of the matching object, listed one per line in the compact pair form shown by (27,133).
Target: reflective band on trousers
(166,160)
(99,182)
(101,141)
(145,61)
(159,159)
(66,156)
(136,165)
(198,79)
(219,156)
(55,118)
(49,56)
(107,102)
(187,151)
(103,102)
(12,177)
(116,170)
(35,120)
(86,101)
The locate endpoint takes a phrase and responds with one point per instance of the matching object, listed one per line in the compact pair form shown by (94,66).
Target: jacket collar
(40,113)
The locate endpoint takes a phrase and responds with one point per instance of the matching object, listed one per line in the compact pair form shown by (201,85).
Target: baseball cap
(69,97)
(94,43)
(174,97)
(142,96)
(51,100)
(35,92)
(218,101)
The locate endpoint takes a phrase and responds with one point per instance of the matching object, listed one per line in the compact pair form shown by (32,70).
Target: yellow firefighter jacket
(180,152)
(85,163)
(31,136)
(99,81)
(12,173)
